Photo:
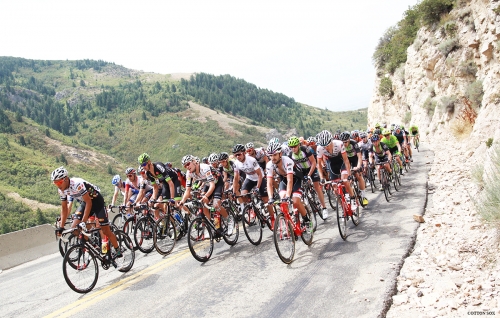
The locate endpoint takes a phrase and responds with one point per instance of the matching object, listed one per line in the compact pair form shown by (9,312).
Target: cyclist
(213,187)
(137,188)
(158,174)
(254,178)
(332,154)
(213,160)
(408,142)
(365,145)
(401,136)
(355,160)
(92,204)
(291,176)
(393,144)
(303,157)
(382,154)
(414,134)
(259,154)
(119,188)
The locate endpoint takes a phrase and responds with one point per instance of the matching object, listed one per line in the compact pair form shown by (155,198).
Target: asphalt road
(332,277)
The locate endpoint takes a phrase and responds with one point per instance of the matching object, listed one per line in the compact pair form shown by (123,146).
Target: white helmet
(59,173)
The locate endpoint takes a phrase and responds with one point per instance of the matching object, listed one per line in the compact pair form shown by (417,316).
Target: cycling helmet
(374,138)
(363,135)
(386,132)
(393,126)
(141,170)
(130,170)
(116,179)
(238,148)
(354,134)
(275,139)
(204,160)
(196,159)
(249,146)
(168,164)
(324,138)
(377,125)
(293,141)
(311,140)
(59,173)
(186,159)
(213,158)
(143,158)
(345,136)
(274,147)
(223,156)
(377,132)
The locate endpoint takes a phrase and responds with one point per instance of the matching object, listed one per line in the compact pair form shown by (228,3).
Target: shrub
(467,68)
(497,10)
(385,87)
(448,104)
(448,46)
(431,10)
(407,118)
(488,203)
(461,128)
(489,142)
(450,28)
(474,92)
(430,106)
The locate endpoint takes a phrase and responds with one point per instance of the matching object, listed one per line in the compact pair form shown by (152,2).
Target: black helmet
(238,148)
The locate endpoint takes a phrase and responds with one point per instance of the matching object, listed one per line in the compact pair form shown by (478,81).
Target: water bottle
(178,217)
(217,220)
(104,247)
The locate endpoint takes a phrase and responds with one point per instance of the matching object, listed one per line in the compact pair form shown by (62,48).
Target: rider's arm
(115,195)
(88,206)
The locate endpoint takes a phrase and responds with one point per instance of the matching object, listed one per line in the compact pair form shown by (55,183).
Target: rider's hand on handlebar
(322,181)
(82,226)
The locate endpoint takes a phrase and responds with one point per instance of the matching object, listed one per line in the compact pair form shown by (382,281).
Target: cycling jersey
(302,158)
(336,155)
(140,183)
(400,136)
(78,188)
(161,173)
(249,167)
(390,142)
(287,165)
(207,174)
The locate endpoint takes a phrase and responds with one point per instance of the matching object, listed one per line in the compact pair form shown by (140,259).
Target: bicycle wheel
(63,246)
(313,200)
(332,198)
(307,235)
(164,235)
(200,240)
(341,219)
(143,234)
(124,263)
(355,213)
(396,170)
(252,225)
(128,228)
(312,217)
(80,269)
(119,220)
(385,183)
(284,239)
(233,238)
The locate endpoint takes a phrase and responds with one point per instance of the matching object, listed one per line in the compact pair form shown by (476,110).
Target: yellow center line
(116,287)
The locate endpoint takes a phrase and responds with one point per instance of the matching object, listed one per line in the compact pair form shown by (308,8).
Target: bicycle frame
(297,230)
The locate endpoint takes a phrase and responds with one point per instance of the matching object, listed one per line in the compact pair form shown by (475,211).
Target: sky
(318,52)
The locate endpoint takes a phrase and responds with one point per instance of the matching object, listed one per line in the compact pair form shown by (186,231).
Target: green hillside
(96,117)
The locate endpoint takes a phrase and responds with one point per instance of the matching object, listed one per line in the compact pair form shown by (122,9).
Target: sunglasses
(58,182)
(144,164)
(187,165)
(249,150)
(130,175)
(293,146)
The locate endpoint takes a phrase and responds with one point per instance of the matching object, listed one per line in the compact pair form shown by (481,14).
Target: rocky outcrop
(455,266)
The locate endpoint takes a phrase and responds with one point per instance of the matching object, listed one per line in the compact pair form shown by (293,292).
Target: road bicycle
(165,231)
(344,206)
(80,267)
(255,217)
(416,142)
(287,228)
(122,216)
(385,180)
(203,231)
(311,201)
(369,174)
(396,172)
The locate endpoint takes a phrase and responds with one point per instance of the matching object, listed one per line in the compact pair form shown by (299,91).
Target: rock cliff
(450,88)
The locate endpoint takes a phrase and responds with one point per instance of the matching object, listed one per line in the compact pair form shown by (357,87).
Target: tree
(22,142)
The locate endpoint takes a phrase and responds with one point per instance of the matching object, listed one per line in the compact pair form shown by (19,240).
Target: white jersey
(249,167)
(287,165)
(140,183)
(207,173)
(338,150)
(77,189)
